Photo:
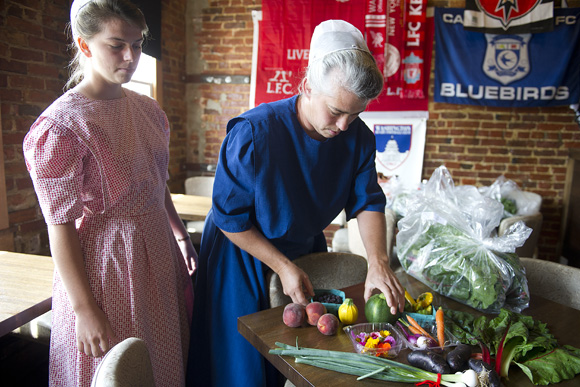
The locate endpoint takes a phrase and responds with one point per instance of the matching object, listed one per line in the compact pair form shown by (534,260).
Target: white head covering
(77,5)
(335,35)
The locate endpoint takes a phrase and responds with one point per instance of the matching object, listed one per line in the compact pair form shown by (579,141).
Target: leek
(365,366)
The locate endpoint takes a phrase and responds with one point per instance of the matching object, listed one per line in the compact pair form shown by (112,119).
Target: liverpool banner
(508,16)
(517,70)
(399,34)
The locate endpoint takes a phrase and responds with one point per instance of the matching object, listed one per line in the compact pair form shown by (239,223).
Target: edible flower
(380,341)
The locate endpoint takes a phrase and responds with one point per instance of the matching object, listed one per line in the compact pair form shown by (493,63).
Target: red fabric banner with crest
(284,41)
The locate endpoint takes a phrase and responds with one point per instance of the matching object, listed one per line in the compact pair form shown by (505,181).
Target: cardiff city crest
(507,10)
(506,58)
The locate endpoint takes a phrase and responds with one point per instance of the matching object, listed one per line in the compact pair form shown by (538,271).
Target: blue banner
(524,70)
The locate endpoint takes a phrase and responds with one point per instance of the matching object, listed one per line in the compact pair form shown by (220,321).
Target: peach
(313,311)
(294,315)
(328,324)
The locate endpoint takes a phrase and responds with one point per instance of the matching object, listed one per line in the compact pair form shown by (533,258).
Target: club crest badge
(506,58)
(393,145)
(507,10)
(412,69)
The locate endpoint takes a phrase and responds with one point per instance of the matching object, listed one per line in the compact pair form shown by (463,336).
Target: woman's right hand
(295,283)
(94,333)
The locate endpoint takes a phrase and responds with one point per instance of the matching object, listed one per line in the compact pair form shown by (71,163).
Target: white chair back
(127,364)
(199,185)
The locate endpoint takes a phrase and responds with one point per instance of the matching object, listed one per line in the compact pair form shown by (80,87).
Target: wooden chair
(127,364)
(325,270)
(554,281)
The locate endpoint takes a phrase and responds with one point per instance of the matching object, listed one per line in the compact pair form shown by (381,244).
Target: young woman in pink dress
(98,157)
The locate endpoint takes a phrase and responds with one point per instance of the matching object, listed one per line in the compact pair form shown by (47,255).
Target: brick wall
(477,144)
(33,60)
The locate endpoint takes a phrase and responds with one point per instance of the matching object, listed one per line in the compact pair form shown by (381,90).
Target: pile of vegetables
(518,340)
(372,367)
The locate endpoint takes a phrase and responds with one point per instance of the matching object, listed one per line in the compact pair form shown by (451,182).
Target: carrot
(440,327)
(411,328)
(422,331)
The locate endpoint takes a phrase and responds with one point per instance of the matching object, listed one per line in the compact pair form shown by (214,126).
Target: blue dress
(273,176)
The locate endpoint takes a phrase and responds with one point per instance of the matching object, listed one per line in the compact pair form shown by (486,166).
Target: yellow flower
(372,343)
(385,333)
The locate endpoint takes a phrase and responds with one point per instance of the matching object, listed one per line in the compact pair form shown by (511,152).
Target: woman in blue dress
(285,171)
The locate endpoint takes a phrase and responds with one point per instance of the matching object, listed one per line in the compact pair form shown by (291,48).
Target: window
(144,80)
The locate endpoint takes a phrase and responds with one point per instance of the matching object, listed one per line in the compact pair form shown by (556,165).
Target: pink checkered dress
(104,165)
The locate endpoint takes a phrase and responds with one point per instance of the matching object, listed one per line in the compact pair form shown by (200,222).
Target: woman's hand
(189,254)
(94,333)
(295,283)
(380,276)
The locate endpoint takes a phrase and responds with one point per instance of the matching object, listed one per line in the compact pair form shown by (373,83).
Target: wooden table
(25,288)
(191,207)
(264,328)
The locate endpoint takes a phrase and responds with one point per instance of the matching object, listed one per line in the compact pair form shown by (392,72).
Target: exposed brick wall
(221,44)
(33,61)
(477,144)
(173,59)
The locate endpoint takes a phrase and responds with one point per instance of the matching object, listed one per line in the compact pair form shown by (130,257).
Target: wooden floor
(23,362)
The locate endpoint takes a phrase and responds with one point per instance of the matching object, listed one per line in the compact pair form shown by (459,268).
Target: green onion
(365,366)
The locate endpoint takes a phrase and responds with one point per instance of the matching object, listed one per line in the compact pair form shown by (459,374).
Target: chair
(355,242)
(325,270)
(200,186)
(127,364)
(554,281)
(38,329)
(534,221)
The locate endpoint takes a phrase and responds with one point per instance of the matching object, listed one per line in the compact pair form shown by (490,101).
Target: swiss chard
(518,339)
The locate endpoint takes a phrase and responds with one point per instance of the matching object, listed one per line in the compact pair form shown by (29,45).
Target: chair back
(325,270)
(127,364)
(554,281)
(199,185)
(534,221)
(355,242)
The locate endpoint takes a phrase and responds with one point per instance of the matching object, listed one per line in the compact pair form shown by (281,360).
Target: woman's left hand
(380,276)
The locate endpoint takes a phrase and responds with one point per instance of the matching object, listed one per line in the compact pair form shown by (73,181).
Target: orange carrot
(422,331)
(413,330)
(440,327)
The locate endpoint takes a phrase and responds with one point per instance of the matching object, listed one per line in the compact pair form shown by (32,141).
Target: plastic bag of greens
(446,242)
(514,200)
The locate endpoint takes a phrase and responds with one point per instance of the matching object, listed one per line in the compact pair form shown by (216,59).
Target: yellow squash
(423,301)
(348,312)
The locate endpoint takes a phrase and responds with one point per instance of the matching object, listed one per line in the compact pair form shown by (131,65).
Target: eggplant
(458,357)
(428,361)
(479,365)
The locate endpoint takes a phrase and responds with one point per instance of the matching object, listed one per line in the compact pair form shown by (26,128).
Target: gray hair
(357,73)
(89,22)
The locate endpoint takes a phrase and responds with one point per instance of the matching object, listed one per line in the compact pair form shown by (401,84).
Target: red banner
(414,57)
(284,42)
(375,31)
